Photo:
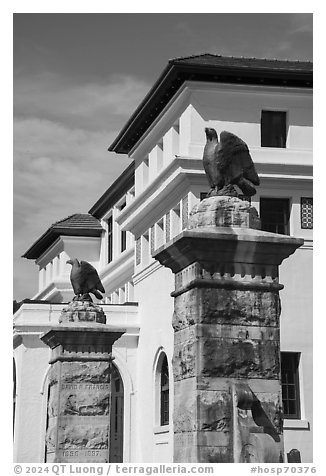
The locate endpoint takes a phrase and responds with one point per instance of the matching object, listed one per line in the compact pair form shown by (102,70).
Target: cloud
(91,105)
(61,162)
(58,171)
(301,23)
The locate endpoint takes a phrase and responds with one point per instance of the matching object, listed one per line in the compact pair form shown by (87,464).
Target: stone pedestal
(226,364)
(78,428)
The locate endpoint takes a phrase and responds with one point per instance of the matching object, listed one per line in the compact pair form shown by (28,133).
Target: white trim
(145,272)
(44,380)
(290,424)
(44,392)
(158,430)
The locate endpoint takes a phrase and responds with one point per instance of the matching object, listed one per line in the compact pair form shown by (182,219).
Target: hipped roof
(210,68)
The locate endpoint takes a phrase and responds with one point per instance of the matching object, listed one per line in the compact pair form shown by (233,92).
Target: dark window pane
(290,377)
(292,407)
(290,384)
(165,392)
(275,215)
(123,240)
(291,392)
(285,407)
(110,240)
(273,129)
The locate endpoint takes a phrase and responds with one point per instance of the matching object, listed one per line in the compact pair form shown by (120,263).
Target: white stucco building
(268,103)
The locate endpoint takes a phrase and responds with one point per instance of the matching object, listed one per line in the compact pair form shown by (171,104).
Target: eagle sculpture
(227,163)
(84,279)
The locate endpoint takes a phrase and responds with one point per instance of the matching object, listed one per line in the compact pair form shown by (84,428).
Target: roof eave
(46,240)
(170,74)
(121,185)
(145,102)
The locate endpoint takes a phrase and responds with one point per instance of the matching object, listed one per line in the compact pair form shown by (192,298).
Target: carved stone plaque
(79,398)
(78,418)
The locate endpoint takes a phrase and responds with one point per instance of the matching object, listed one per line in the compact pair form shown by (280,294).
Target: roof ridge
(238,57)
(195,56)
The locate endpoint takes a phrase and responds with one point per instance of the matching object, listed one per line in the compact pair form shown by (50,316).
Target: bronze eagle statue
(84,279)
(227,163)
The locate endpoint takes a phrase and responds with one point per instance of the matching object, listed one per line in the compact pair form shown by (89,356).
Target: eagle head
(211,133)
(72,261)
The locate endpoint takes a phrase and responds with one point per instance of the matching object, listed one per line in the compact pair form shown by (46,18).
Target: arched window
(14,392)
(117,397)
(164,392)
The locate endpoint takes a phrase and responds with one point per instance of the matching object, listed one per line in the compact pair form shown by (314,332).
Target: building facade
(268,103)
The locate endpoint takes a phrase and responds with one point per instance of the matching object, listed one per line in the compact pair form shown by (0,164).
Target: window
(123,234)
(123,240)
(14,392)
(273,129)
(116,415)
(164,392)
(275,215)
(290,384)
(306,213)
(110,240)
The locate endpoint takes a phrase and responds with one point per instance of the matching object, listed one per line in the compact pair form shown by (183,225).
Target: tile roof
(78,224)
(244,62)
(208,67)
(76,221)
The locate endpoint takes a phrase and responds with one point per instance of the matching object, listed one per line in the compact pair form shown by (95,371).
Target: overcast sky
(78,78)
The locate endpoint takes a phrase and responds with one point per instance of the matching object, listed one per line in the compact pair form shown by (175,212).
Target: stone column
(226,364)
(78,420)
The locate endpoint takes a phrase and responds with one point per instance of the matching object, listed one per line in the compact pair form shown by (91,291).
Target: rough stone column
(226,364)
(78,428)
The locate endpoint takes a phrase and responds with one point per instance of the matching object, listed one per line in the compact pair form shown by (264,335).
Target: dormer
(77,236)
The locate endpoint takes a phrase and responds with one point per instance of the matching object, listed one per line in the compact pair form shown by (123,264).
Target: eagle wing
(234,158)
(90,277)
(75,282)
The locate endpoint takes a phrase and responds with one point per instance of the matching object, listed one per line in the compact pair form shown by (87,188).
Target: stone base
(224,211)
(79,401)
(82,311)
